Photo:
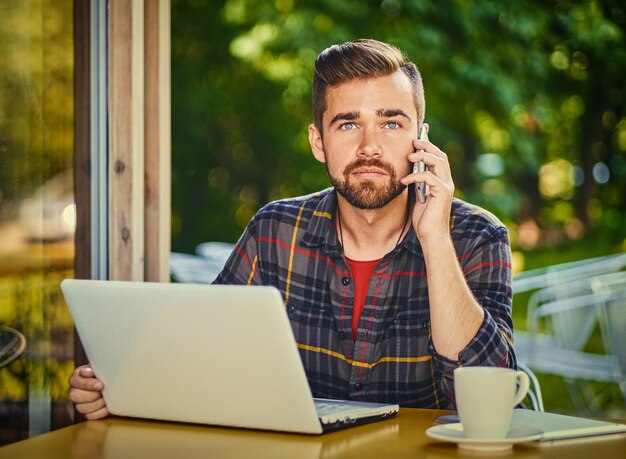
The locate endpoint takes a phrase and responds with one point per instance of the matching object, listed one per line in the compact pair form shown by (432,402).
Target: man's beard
(367,194)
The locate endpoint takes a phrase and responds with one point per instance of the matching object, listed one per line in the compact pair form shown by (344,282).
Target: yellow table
(399,437)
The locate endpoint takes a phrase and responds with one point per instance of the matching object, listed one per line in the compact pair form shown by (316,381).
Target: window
(84,105)
(37,215)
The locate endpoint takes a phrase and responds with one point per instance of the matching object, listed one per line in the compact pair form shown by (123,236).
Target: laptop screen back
(209,354)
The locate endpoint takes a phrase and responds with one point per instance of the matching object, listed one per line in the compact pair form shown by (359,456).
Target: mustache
(369,163)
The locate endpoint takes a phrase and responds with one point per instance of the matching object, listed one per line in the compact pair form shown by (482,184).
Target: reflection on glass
(37,215)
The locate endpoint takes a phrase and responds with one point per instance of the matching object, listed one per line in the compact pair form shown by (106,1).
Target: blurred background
(527,98)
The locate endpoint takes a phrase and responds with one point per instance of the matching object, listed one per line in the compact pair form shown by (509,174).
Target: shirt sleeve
(487,271)
(242,267)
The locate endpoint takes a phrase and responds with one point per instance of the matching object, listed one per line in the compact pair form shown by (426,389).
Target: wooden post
(139,139)
(157,140)
(126,140)
(82,164)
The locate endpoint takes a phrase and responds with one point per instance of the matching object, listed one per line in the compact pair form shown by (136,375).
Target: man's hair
(361,59)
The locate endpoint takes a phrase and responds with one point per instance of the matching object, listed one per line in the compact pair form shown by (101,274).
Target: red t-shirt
(361,275)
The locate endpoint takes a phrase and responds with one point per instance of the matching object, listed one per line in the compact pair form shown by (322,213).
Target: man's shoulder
(465,214)
(301,207)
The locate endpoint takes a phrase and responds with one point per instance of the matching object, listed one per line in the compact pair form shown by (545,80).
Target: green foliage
(32,303)
(511,87)
(36,102)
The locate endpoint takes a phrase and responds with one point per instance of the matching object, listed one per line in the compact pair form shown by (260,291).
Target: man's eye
(393,125)
(347,126)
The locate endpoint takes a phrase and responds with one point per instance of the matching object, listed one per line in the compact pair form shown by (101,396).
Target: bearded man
(386,294)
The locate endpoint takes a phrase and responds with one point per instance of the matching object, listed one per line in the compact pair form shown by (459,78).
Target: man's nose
(370,144)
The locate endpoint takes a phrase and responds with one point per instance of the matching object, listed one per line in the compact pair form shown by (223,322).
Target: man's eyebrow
(345,116)
(391,112)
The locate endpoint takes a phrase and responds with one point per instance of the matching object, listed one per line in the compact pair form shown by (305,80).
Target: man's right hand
(86,393)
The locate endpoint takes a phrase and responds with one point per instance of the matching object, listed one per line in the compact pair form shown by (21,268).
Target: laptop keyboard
(325,407)
(346,412)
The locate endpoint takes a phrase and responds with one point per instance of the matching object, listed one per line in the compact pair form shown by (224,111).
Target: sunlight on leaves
(556,179)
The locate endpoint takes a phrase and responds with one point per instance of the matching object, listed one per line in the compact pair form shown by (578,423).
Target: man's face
(369,126)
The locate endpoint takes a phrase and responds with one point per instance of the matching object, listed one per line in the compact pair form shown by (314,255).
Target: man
(386,295)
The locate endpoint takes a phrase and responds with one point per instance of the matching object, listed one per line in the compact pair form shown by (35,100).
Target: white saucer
(454,433)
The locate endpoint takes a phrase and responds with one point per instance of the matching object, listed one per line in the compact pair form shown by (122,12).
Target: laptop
(210,354)
(557,429)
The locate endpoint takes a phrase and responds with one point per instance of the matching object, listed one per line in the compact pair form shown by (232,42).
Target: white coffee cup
(485,398)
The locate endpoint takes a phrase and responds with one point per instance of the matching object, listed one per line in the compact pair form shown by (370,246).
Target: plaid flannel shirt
(292,245)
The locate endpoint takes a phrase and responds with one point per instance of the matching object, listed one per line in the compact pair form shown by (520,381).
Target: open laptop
(210,354)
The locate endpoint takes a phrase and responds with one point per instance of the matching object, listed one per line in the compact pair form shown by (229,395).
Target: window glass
(37,215)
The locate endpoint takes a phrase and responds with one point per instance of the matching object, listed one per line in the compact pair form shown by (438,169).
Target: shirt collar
(411,243)
(322,230)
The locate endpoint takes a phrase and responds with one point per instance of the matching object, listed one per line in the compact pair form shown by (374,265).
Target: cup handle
(522,390)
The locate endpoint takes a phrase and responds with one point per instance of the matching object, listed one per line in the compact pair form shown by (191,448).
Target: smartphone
(421,188)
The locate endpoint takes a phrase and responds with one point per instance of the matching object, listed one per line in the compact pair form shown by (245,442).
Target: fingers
(438,168)
(432,156)
(436,184)
(86,371)
(436,172)
(85,379)
(93,410)
(101,413)
(86,393)
(83,396)
(434,165)
(425,145)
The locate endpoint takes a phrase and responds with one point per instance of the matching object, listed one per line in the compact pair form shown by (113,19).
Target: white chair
(563,273)
(12,344)
(534,391)
(203,267)
(561,321)
(613,320)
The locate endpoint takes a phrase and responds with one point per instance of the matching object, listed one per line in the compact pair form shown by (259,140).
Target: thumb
(86,371)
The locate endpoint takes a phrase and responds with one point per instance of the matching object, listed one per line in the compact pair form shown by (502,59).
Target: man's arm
(486,271)
(470,307)
(455,315)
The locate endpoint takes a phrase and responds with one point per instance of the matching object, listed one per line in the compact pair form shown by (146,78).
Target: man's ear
(317,146)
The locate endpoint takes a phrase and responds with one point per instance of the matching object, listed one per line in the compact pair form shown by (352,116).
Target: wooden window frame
(125,216)
(139,138)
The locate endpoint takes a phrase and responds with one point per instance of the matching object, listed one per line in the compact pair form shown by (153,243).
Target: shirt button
(358,386)
(425,324)
(345,281)
(342,335)
(291,309)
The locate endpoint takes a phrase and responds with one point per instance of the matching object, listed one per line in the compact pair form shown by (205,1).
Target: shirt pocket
(407,336)
(309,314)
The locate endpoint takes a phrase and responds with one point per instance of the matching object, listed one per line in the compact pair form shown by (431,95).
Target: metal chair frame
(571,312)
(534,392)
(12,347)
